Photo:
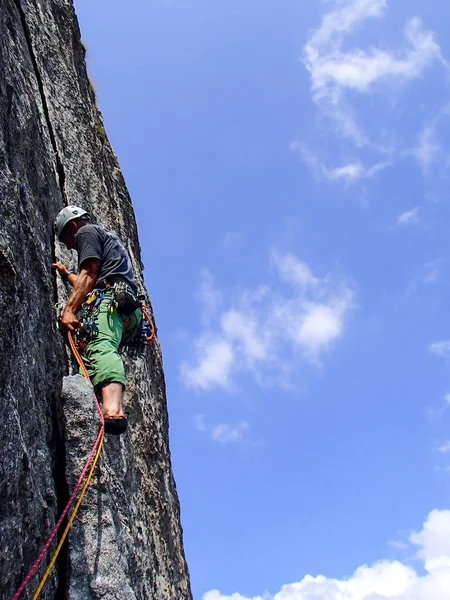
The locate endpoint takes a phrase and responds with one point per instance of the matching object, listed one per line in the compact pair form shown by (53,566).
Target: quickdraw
(88,314)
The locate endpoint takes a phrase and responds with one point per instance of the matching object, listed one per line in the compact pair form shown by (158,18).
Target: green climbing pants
(101,356)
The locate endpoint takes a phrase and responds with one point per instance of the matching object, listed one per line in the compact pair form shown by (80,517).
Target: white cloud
(385,579)
(334,71)
(429,274)
(349,173)
(445,448)
(242,328)
(199,421)
(223,433)
(436,413)
(216,595)
(214,360)
(233,241)
(310,158)
(208,295)
(432,270)
(359,70)
(293,270)
(354,171)
(428,148)
(320,326)
(271,331)
(441,348)
(445,470)
(409,217)
(398,545)
(434,542)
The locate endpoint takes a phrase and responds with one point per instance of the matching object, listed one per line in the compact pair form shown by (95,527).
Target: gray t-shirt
(95,241)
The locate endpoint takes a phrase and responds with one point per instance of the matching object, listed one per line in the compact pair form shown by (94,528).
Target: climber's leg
(102,360)
(115,421)
(104,364)
(112,399)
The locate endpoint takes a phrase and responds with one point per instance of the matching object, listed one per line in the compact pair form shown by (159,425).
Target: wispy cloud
(440,469)
(214,359)
(294,271)
(233,241)
(433,270)
(270,331)
(199,421)
(346,73)
(335,71)
(429,274)
(223,433)
(441,348)
(349,173)
(209,297)
(216,595)
(409,217)
(309,157)
(444,448)
(323,51)
(398,545)
(428,147)
(352,172)
(436,413)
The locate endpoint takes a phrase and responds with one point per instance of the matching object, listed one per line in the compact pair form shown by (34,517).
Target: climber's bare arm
(83,285)
(65,274)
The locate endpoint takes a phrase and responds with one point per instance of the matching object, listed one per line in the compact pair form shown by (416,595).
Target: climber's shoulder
(91,229)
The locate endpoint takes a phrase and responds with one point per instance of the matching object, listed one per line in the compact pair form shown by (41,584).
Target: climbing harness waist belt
(111,281)
(121,297)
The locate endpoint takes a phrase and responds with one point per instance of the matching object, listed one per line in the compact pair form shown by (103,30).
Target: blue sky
(288,164)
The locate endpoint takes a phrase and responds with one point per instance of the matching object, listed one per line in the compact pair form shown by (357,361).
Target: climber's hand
(62,270)
(69,321)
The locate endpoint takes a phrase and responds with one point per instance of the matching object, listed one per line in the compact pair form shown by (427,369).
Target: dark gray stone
(127,540)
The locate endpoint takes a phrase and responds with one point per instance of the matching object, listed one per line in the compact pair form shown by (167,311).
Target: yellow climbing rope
(72,517)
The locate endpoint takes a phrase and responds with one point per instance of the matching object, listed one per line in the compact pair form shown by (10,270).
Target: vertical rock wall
(127,541)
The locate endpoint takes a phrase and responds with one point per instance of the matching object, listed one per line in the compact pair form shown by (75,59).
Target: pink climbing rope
(51,537)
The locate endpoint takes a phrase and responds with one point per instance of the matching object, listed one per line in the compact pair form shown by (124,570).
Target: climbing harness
(90,462)
(119,296)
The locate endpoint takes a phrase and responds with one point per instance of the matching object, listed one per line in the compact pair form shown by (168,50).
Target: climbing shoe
(115,424)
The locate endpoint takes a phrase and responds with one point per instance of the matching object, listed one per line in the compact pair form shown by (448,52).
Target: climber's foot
(115,424)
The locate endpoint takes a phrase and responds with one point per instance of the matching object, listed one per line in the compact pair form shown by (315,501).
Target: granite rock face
(126,542)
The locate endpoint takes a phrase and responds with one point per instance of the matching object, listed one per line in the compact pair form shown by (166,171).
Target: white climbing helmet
(69,213)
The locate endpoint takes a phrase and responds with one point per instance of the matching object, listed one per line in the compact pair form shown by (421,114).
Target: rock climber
(105,290)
